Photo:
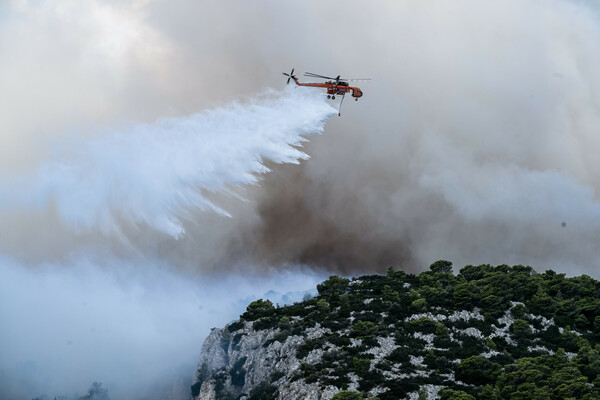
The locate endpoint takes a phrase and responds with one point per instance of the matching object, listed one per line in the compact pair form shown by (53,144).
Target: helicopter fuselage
(333,88)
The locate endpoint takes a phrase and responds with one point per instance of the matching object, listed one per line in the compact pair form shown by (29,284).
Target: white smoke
(156,173)
(134,323)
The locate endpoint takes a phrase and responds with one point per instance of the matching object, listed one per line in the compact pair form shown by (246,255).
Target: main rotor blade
(310,74)
(317,75)
(357,80)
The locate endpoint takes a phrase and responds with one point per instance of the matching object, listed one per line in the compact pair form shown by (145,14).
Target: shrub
(450,394)
(323,306)
(398,389)
(266,323)
(347,395)
(338,340)
(335,322)
(264,391)
(441,266)
(364,329)
(235,326)
(437,362)
(236,341)
(309,345)
(333,286)
(277,375)
(284,323)
(441,331)
(281,336)
(361,366)
(399,355)
(518,311)
(238,373)
(423,324)
(477,370)
(419,304)
(521,329)
(258,309)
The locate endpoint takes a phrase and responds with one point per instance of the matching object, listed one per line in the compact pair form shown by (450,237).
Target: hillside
(487,333)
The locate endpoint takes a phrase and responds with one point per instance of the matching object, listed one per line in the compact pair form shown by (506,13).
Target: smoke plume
(475,143)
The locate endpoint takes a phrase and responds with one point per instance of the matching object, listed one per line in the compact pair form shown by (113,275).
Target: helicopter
(335,86)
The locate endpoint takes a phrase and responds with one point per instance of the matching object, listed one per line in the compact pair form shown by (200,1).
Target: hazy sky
(475,142)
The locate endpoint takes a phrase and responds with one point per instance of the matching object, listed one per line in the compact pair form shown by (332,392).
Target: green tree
(361,366)
(542,303)
(362,329)
(551,377)
(423,324)
(441,266)
(390,295)
(518,311)
(521,329)
(284,323)
(450,394)
(477,370)
(492,303)
(347,395)
(588,360)
(419,304)
(466,295)
(441,330)
(345,308)
(335,285)
(323,306)
(474,273)
(259,309)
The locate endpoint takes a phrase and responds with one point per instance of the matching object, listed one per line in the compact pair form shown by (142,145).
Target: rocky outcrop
(234,362)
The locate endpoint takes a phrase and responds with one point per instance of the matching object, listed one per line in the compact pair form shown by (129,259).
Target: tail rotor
(290,75)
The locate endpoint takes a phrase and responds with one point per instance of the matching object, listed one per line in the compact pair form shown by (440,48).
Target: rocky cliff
(484,333)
